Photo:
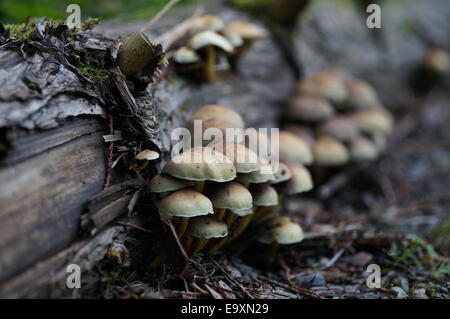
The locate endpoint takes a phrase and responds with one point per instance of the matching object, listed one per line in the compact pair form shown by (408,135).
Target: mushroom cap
(244,159)
(213,123)
(185,55)
(329,151)
(437,60)
(285,232)
(374,121)
(302,131)
(257,141)
(326,84)
(282,174)
(380,140)
(166,183)
(206,23)
(293,149)
(263,175)
(147,155)
(234,37)
(361,94)
(210,38)
(246,30)
(186,203)
(207,227)
(343,128)
(213,111)
(242,212)
(231,195)
(363,149)
(300,182)
(308,108)
(201,164)
(264,195)
(281,230)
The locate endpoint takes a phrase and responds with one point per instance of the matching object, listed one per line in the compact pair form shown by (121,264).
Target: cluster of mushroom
(341,117)
(215,192)
(213,47)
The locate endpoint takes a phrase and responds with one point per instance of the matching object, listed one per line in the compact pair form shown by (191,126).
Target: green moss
(94,73)
(413,252)
(20,31)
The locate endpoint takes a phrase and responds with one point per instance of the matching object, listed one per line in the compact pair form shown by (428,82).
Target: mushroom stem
(218,245)
(198,245)
(187,243)
(199,186)
(230,218)
(157,260)
(246,184)
(181,224)
(259,213)
(210,67)
(220,212)
(242,225)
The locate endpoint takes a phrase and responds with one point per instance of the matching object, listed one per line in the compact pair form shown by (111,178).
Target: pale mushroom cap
(147,155)
(329,151)
(264,195)
(257,141)
(286,232)
(363,149)
(246,30)
(214,123)
(293,149)
(282,174)
(302,131)
(184,55)
(242,212)
(186,203)
(380,141)
(235,39)
(310,109)
(213,111)
(207,227)
(206,23)
(231,195)
(244,159)
(341,127)
(374,121)
(362,95)
(263,175)
(437,60)
(301,180)
(210,38)
(166,183)
(281,230)
(328,85)
(200,164)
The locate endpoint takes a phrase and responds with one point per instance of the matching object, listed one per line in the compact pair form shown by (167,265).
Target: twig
(287,271)
(169,38)
(234,282)
(159,15)
(303,291)
(334,259)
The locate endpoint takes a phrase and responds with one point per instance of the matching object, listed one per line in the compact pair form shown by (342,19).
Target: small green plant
(413,252)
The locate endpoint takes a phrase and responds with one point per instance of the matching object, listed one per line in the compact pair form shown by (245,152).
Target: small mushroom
(165,183)
(437,61)
(327,84)
(361,95)
(300,181)
(185,204)
(186,60)
(244,159)
(143,158)
(302,131)
(201,164)
(308,109)
(206,23)
(263,175)
(373,121)
(363,149)
(293,149)
(340,127)
(329,152)
(247,32)
(208,43)
(202,229)
(265,200)
(213,111)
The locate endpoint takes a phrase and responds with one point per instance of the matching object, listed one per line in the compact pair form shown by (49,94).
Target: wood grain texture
(43,193)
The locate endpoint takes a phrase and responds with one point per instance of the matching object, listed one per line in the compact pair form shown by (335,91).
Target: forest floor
(393,213)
